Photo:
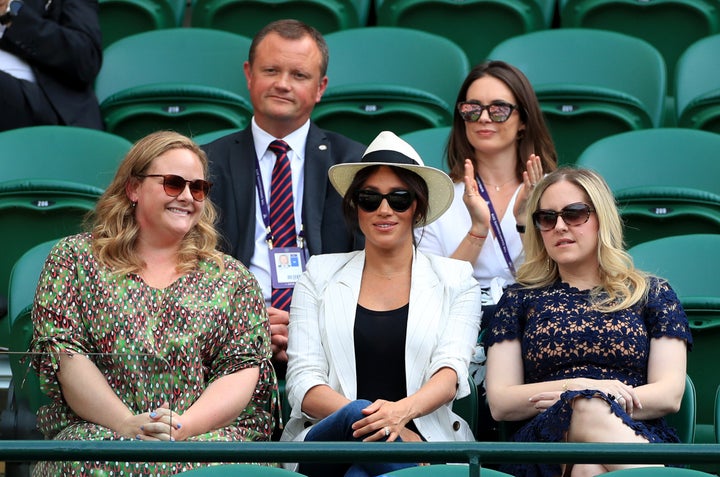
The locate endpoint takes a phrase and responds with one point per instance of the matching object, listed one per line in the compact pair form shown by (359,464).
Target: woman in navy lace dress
(584,348)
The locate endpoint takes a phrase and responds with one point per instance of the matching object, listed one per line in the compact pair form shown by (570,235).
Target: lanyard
(495,224)
(265,210)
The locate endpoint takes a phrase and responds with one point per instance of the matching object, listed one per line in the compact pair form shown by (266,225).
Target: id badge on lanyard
(286,266)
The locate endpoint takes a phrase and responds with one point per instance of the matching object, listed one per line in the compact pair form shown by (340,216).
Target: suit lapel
(317,162)
(242,180)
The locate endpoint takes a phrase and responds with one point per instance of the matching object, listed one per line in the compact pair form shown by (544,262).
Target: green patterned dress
(152,345)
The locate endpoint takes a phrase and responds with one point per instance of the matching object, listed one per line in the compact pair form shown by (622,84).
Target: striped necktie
(282,214)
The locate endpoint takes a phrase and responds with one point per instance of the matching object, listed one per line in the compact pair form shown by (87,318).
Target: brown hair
(292,30)
(534,139)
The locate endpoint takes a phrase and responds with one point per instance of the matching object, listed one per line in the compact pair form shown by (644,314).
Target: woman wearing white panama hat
(380,339)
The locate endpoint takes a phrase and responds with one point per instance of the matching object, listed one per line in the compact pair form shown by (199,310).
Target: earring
(134,203)
(547,264)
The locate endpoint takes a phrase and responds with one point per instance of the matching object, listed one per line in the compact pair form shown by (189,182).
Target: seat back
(247,17)
(697,89)
(684,420)
(23,282)
(208,137)
(51,177)
(656,197)
(496,19)
(431,144)
(690,266)
(590,83)
(442,470)
(121,18)
(468,406)
(379,81)
(657,471)
(687,20)
(187,79)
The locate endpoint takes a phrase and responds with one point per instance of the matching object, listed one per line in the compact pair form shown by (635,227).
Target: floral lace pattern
(562,336)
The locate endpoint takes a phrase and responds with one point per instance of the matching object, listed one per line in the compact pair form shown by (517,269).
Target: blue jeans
(338,427)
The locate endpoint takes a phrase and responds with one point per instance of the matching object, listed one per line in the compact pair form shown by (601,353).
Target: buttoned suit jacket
(232,172)
(62,42)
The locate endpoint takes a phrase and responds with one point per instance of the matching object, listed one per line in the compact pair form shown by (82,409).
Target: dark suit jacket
(63,44)
(232,172)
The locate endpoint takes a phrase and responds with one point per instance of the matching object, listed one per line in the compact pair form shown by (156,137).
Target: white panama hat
(389,150)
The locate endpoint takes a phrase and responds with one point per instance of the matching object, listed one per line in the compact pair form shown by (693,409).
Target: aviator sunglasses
(175,185)
(499,112)
(370,200)
(573,215)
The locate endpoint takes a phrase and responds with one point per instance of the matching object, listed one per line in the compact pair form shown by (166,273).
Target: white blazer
(442,330)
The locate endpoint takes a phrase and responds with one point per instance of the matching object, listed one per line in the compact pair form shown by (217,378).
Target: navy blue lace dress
(563,337)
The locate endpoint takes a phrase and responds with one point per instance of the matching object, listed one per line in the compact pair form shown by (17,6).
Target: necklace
(496,186)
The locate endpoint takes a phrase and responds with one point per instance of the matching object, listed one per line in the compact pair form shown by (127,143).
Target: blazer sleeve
(63,41)
(458,337)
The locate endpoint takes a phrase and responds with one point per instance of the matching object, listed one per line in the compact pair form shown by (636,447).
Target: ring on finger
(387,431)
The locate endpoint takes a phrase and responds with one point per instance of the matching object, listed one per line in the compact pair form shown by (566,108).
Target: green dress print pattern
(153,346)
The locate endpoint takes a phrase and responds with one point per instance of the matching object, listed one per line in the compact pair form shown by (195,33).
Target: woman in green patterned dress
(142,329)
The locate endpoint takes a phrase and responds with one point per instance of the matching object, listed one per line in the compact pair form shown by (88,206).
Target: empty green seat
(476,25)
(51,177)
(247,17)
(690,264)
(664,180)
(669,25)
(590,83)
(431,144)
(121,18)
(697,88)
(379,80)
(442,470)
(189,80)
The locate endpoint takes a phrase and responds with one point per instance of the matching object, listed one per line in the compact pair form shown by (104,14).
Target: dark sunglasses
(175,185)
(499,112)
(370,200)
(573,215)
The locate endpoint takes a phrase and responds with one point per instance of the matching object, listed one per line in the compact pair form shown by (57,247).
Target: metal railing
(476,454)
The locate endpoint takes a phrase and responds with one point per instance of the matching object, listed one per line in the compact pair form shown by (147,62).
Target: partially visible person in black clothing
(50,54)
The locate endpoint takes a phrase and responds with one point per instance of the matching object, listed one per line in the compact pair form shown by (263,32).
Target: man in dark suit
(286,77)
(50,54)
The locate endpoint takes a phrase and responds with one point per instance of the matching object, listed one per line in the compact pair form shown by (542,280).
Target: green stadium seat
(237,470)
(247,17)
(476,25)
(697,95)
(590,83)
(51,177)
(657,472)
(208,137)
(24,277)
(669,25)
(379,80)
(690,265)
(431,144)
(659,196)
(442,470)
(121,18)
(189,80)
(684,421)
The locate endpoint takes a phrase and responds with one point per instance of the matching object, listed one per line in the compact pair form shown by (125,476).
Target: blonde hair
(114,228)
(622,285)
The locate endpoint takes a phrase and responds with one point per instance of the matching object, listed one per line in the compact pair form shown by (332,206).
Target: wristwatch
(13,8)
